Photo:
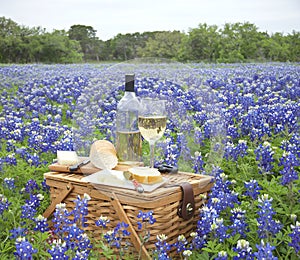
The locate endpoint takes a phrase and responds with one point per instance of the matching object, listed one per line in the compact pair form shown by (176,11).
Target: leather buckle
(186,207)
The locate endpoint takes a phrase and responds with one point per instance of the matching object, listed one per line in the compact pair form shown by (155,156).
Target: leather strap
(186,207)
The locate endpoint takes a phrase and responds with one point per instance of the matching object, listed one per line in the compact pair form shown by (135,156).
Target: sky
(110,17)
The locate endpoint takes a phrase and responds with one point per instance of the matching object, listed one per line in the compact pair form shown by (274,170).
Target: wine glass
(152,121)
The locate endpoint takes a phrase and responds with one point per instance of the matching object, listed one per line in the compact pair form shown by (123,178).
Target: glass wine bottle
(128,136)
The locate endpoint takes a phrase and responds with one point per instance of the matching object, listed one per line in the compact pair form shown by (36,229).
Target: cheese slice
(67,157)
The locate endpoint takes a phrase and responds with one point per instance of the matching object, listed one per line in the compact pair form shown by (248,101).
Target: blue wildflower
(181,244)
(238,219)
(162,247)
(289,161)
(102,221)
(24,249)
(81,210)
(31,186)
(34,200)
(146,217)
(222,255)
(218,229)
(45,187)
(117,235)
(264,156)
(252,189)
(58,250)
(10,159)
(295,236)
(18,232)
(41,224)
(28,212)
(60,219)
(265,251)
(4,204)
(243,250)
(198,163)
(221,195)
(9,183)
(267,226)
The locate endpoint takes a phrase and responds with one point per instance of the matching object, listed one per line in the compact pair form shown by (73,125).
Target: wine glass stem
(152,146)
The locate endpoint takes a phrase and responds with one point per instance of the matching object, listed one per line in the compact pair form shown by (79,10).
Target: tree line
(237,42)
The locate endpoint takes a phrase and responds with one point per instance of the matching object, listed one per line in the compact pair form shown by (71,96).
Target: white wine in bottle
(128,136)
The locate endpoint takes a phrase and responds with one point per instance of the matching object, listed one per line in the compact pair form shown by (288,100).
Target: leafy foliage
(237,42)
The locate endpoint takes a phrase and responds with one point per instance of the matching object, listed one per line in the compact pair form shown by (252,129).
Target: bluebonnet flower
(182,144)
(162,247)
(295,236)
(9,183)
(242,148)
(1,163)
(171,150)
(234,152)
(81,255)
(81,209)
(267,226)
(33,159)
(289,161)
(10,159)
(102,221)
(221,195)
(222,255)
(265,251)
(4,204)
(60,219)
(41,224)
(28,212)
(34,200)
(84,246)
(72,233)
(198,163)
(232,131)
(218,229)
(243,250)
(198,240)
(58,250)
(76,239)
(24,249)
(252,189)
(207,217)
(264,156)
(45,187)
(181,244)
(198,136)
(18,232)
(31,186)
(186,254)
(146,217)
(238,219)
(115,237)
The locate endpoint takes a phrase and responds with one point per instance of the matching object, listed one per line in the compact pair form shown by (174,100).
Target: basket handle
(68,188)
(133,235)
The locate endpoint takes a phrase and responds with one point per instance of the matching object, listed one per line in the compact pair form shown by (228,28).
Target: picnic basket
(120,204)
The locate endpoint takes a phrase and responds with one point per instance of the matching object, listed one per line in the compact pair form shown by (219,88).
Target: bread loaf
(146,175)
(103,155)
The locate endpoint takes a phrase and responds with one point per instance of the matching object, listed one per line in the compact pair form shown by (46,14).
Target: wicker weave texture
(164,203)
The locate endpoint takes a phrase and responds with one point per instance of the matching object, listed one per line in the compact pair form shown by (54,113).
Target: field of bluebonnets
(253,209)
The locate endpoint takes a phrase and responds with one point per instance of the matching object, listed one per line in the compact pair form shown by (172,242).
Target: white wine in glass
(152,121)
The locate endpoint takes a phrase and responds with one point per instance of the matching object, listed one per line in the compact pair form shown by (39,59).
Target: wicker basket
(124,205)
